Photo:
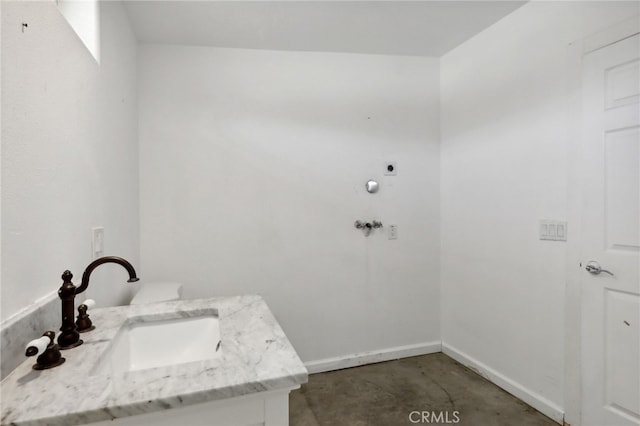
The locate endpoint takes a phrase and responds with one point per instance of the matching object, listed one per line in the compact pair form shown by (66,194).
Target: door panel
(622,158)
(621,333)
(622,84)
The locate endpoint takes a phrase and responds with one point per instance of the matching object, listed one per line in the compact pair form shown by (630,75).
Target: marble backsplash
(25,326)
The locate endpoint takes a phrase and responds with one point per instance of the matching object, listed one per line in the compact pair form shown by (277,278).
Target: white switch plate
(97,241)
(393,232)
(552,230)
(561,231)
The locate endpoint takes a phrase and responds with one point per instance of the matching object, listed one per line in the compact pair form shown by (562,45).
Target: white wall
(505,166)
(253,168)
(69,152)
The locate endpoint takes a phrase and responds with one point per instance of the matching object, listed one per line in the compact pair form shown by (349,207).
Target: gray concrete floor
(385,394)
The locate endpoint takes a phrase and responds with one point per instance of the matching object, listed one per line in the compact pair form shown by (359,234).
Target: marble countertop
(256,356)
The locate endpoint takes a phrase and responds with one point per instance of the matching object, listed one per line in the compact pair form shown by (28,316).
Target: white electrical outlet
(97,241)
(393,232)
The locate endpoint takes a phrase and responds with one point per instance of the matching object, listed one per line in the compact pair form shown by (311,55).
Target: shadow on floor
(437,389)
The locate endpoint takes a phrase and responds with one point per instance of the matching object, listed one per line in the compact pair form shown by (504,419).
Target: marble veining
(256,356)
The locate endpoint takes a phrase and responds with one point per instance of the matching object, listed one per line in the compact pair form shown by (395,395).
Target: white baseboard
(534,399)
(354,360)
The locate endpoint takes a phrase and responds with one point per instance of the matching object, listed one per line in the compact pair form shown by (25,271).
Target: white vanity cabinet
(264,408)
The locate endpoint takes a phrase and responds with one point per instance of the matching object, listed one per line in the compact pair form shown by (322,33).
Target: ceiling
(418,28)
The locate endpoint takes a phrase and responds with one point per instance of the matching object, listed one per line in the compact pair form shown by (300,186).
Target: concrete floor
(386,394)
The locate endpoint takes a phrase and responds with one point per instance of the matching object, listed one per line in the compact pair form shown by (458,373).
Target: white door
(611,235)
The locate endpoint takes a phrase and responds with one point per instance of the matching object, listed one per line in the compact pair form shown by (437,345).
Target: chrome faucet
(69,336)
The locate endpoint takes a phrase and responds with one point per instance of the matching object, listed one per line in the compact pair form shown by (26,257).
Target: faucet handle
(83,322)
(48,351)
(39,345)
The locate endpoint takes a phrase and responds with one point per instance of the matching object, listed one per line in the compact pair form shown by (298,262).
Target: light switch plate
(97,241)
(552,230)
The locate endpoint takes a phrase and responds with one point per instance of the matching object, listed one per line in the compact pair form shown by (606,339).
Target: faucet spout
(69,336)
(107,259)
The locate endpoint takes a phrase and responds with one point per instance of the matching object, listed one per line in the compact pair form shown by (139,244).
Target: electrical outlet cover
(393,232)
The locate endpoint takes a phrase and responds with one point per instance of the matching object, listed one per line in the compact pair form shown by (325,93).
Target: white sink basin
(145,342)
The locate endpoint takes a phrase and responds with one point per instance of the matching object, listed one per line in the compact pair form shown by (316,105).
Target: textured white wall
(69,152)
(504,167)
(253,168)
